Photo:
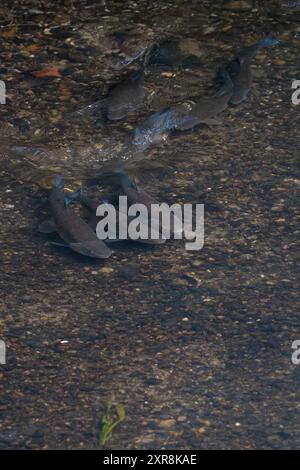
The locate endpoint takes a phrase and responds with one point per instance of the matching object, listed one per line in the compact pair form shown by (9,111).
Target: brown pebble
(166,423)
(278,61)
(106,270)
(181,419)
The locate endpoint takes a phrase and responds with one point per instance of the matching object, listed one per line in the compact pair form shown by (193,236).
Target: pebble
(278,61)
(200,430)
(166,423)
(181,419)
(106,270)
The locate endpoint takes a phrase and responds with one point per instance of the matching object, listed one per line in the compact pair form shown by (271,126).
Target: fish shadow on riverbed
(54,244)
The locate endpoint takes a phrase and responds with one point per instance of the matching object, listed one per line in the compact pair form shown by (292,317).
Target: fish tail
(267,41)
(59,184)
(250,51)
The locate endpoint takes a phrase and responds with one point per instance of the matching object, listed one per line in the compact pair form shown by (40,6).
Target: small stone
(181,419)
(209,30)
(167,74)
(200,430)
(106,270)
(196,263)
(166,423)
(278,61)
(206,422)
(227,28)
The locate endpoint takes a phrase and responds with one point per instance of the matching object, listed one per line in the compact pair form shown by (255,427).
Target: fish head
(58,182)
(239,95)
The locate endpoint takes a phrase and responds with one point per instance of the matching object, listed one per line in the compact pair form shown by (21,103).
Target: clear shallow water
(195,345)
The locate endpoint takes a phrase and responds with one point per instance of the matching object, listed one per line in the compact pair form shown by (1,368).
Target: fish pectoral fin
(93,249)
(65,245)
(47,226)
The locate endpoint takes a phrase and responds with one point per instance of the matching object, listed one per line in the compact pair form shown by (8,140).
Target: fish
(137,195)
(128,95)
(240,69)
(71,228)
(125,97)
(134,193)
(153,130)
(188,115)
(92,205)
(183,116)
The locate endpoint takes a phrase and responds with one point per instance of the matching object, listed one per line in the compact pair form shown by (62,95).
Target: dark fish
(137,195)
(128,95)
(183,116)
(176,53)
(154,129)
(122,99)
(186,116)
(240,69)
(75,232)
(134,194)
(92,205)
